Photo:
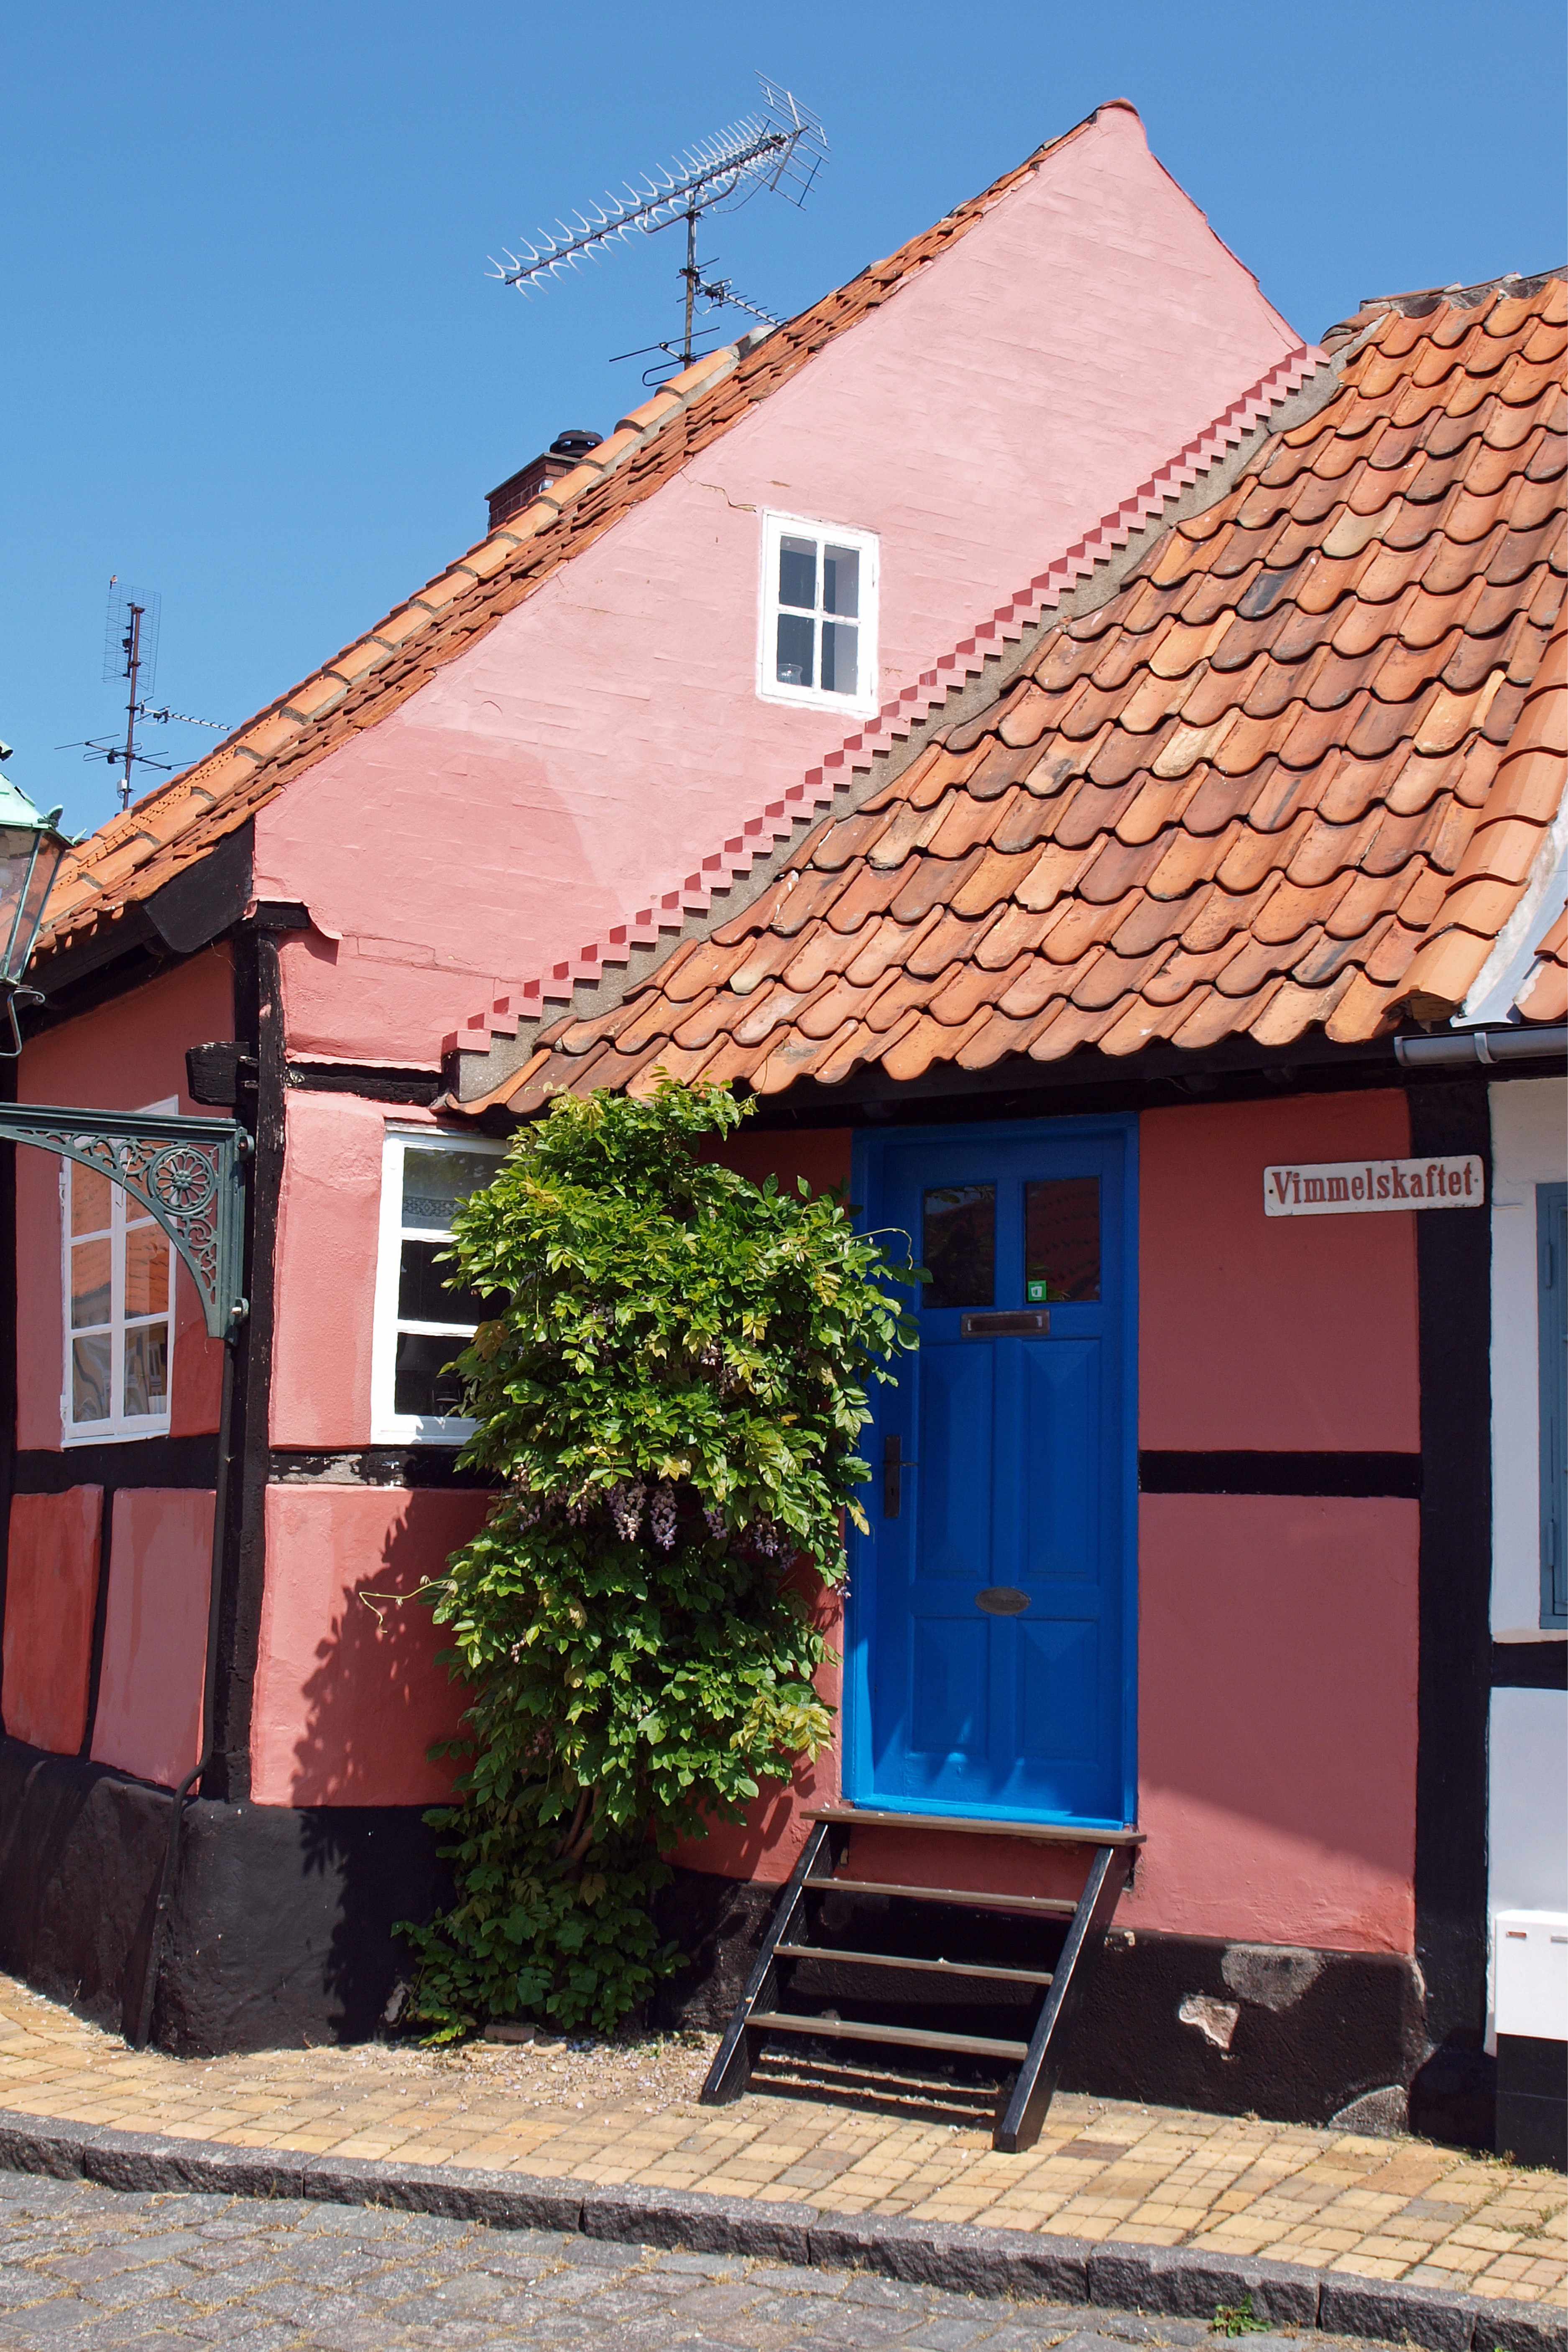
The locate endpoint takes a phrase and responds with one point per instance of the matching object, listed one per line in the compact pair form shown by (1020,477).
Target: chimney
(519,491)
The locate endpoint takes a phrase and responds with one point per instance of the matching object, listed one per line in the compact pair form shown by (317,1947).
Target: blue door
(991,1621)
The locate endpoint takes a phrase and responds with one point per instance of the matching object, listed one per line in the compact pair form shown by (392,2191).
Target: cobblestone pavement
(618,2114)
(97,2270)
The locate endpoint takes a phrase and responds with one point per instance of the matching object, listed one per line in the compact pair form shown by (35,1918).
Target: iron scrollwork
(184,1172)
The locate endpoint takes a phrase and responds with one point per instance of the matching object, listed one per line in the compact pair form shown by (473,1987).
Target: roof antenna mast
(131,651)
(781,146)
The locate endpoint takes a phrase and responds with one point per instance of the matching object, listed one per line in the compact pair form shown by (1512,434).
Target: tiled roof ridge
(1300,775)
(182,819)
(1422,300)
(668,908)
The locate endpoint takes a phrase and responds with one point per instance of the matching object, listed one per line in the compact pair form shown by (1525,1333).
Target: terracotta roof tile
(1297,772)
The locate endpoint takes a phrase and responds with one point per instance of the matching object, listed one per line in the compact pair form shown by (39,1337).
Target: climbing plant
(671,1392)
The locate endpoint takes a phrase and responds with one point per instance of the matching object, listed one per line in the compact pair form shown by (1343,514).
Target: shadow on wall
(376,1698)
(355,1689)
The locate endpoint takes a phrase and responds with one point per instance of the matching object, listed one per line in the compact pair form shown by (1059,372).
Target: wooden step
(855,1816)
(1036,2064)
(898,1960)
(1026,1906)
(907,2037)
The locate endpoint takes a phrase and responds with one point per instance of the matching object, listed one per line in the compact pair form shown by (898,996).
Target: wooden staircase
(1008,1970)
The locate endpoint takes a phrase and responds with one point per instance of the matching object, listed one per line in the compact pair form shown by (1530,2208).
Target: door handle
(895,1462)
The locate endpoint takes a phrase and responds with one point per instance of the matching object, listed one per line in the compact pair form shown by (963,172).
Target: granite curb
(1173,2281)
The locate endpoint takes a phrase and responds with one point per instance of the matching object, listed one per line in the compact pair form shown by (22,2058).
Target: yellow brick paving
(1104,2169)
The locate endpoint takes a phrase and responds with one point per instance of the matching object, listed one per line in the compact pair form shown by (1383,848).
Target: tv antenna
(781,146)
(131,651)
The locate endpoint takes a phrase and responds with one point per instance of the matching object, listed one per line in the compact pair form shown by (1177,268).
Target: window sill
(803,697)
(416,1433)
(71,1437)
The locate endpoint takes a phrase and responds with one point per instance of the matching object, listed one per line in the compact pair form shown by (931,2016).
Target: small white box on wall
(1531,1974)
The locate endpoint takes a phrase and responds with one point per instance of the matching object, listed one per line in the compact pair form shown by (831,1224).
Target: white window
(818,640)
(420,1324)
(1530,1417)
(119,1330)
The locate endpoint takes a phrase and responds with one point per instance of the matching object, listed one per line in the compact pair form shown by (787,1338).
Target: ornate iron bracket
(185,1172)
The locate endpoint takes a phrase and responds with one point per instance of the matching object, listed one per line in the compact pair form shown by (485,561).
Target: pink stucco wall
(149,1719)
(1272,1334)
(51,1587)
(349,1695)
(607,735)
(1277,1737)
(345,1706)
(1278,1636)
(328,1225)
(1276,1720)
(120,1056)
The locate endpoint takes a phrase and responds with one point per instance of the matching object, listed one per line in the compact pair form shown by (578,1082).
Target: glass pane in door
(1061,1240)
(959,1249)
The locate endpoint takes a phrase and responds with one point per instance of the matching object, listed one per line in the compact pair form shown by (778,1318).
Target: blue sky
(252,357)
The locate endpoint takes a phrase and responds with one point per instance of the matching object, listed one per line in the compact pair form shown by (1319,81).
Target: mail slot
(1022,1323)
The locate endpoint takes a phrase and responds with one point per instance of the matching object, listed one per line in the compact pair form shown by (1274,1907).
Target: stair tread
(904,1960)
(1053,1906)
(907,2037)
(1043,1833)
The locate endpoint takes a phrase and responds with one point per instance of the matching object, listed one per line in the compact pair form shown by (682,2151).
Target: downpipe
(1492,1048)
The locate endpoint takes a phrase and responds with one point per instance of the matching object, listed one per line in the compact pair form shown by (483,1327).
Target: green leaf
(669,1396)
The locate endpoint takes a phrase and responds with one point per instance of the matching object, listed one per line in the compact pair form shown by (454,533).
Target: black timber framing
(1530,1665)
(414,1087)
(1352,1474)
(1453,1255)
(137,1462)
(376,1466)
(8,1350)
(259,1023)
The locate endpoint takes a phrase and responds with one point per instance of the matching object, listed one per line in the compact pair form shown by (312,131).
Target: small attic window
(818,639)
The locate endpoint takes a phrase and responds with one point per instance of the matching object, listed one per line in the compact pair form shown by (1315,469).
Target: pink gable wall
(120,1056)
(607,735)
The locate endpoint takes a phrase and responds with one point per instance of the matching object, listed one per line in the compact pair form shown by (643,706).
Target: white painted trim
(387,1425)
(1506,969)
(1530,1147)
(1527,1812)
(867,702)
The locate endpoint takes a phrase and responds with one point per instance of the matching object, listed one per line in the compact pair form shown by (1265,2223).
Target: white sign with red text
(1348,1188)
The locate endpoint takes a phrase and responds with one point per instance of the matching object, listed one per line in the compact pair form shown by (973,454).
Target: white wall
(1530,1147)
(1527,1812)
(1528,1750)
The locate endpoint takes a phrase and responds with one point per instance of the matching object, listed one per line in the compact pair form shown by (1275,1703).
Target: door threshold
(971,1825)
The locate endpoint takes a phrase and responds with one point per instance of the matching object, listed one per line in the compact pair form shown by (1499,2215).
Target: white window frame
(125,1215)
(388,1426)
(865,703)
